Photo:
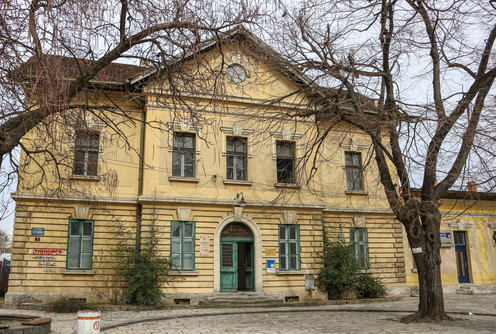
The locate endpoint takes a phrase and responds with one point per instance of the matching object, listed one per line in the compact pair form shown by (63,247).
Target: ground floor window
(358,236)
(183,245)
(80,244)
(289,247)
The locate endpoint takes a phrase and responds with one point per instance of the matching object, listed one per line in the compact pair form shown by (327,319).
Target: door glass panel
(227,255)
(248,256)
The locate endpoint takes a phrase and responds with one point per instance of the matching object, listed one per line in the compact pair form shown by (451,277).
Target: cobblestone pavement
(380,317)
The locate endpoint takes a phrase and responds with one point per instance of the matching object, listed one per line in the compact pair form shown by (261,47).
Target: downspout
(139,209)
(140,173)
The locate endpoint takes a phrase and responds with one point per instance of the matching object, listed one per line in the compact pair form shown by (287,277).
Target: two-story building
(223,154)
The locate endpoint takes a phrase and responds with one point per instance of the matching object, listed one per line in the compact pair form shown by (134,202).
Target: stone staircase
(240,299)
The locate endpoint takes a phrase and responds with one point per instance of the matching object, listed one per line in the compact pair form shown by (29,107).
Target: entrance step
(465,289)
(241,299)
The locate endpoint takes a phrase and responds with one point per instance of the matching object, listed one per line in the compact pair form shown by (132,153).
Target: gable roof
(71,68)
(239,33)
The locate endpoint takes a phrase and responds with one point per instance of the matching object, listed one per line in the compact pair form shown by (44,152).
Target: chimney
(471,187)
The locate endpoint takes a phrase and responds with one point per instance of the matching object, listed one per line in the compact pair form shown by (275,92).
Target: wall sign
(270,252)
(446,239)
(204,244)
(271,266)
(38,231)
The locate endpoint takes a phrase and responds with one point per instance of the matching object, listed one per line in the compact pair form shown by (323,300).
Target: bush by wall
(340,274)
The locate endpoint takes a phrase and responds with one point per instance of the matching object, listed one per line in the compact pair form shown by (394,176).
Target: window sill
(366,271)
(85,177)
(183,179)
(238,182)
(183,273)
(290,272)
(78,272)
(287,185)
(356,192)
(414,270)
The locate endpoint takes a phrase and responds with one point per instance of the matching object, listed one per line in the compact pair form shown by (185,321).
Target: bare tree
(430,68)
(5,242)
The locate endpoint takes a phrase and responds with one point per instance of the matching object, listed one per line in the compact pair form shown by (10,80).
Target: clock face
(236,73)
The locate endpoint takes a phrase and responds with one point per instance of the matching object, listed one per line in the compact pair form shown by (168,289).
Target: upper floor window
(183,245)
(86,153)
(236,158)
(358,236)
(289,247)
(285,152)
(80,244)
(354,176)
(183,155)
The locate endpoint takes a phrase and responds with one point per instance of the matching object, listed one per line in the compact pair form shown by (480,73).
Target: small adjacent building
(468,243)
(215,156)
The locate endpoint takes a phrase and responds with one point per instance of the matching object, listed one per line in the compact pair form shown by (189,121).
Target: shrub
(69,305)
(369,287)
(340,270)
(144,270)
(340,274)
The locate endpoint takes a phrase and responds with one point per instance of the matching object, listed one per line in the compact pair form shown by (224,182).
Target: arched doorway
(236,258)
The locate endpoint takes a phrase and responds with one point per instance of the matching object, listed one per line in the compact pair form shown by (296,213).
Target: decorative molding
(184,125)
(359,221)
(354,145)
(82,212)
(238,212)
(462,225)
(183,214)
(289,217)
(287,134)
(238,130)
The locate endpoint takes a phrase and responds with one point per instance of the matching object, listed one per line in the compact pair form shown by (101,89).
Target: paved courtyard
(474,314)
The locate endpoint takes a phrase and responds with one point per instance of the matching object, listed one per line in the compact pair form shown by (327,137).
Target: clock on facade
(236,73)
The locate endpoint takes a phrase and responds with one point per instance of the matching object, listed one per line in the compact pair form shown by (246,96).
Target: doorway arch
(257,251)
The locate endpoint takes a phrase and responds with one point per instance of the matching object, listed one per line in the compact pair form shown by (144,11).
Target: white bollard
(88,322)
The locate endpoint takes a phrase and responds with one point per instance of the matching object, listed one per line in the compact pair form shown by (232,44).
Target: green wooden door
(229,266)
(249,267)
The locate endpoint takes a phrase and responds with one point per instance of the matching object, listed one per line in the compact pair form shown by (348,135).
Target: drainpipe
(139,209)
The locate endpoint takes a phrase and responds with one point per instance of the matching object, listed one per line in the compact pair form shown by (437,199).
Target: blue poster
(271,266)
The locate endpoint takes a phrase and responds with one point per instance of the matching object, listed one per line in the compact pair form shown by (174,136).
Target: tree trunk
(425,241)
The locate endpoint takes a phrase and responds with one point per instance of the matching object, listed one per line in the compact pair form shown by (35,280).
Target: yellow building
(468,243)
(223,171)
